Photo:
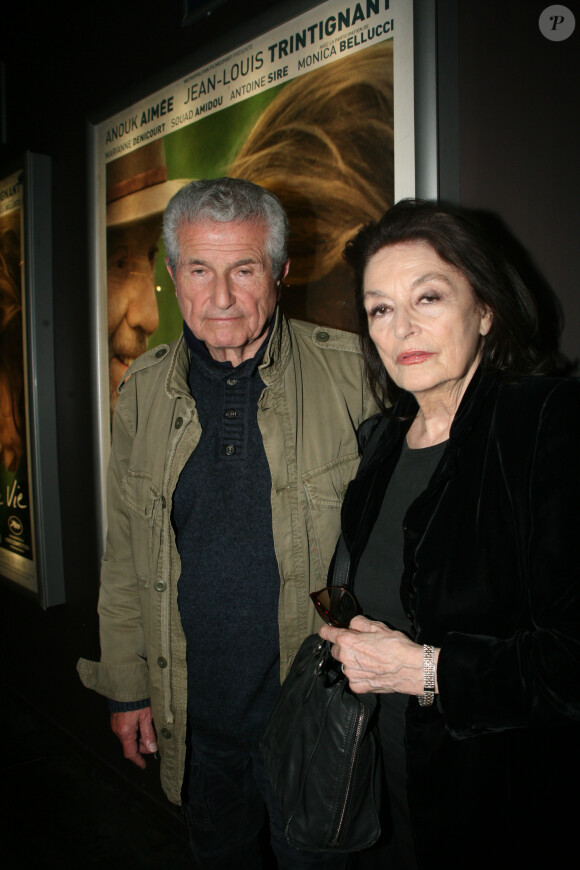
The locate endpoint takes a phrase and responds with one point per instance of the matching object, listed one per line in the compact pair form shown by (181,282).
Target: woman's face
(425,321)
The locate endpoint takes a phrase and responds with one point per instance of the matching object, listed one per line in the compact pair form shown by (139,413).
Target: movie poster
(16,532)
(318,110)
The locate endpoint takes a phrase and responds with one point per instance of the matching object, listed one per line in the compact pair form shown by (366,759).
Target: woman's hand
(377,659)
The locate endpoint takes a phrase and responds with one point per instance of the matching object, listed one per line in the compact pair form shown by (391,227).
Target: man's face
(132,306)
(225,287)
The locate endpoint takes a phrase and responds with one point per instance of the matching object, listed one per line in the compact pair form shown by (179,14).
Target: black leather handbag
(322,753)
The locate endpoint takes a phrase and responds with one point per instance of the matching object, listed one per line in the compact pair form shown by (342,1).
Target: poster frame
(41,387)
(428,23)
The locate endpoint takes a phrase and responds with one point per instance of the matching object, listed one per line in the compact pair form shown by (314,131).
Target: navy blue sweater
(229,584)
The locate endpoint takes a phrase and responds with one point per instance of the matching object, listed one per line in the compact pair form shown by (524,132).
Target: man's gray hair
(227,200)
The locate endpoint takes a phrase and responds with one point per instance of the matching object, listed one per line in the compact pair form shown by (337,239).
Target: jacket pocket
(143,500)
(325,488)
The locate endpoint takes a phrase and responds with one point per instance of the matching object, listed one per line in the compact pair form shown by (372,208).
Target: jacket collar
(482,384)
(478,389)
(278,351)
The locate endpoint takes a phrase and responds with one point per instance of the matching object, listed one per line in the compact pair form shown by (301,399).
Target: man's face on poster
(131,303)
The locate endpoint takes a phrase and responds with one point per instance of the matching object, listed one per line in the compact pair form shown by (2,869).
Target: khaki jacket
(312,404)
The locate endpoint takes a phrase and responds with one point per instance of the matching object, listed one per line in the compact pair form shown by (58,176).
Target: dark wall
(518,135)
(519,128)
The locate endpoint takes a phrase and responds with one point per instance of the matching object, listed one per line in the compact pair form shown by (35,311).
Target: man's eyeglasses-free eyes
(336,605)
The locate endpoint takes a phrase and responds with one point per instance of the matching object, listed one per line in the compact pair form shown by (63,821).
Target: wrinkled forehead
(224,238)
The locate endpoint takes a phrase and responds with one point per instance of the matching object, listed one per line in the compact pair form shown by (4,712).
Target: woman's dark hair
(512,346)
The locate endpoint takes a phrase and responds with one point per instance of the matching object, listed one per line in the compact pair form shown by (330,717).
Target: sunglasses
(336,605)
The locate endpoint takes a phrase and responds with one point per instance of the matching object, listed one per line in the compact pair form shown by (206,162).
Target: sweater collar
(276,353)
(215,367)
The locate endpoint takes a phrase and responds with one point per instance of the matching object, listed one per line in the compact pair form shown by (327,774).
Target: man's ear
(168,267)
(283,274)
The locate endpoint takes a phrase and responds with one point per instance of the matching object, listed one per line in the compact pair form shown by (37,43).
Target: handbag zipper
(361,722)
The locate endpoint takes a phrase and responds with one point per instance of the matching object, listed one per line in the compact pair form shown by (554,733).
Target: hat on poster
(137,185)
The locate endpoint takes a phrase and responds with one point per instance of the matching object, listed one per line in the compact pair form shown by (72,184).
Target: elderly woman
(464,539)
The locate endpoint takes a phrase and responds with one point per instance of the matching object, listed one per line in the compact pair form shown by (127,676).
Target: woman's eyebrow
(431,276)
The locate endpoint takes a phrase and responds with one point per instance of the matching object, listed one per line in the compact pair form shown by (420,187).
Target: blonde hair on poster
(324,146)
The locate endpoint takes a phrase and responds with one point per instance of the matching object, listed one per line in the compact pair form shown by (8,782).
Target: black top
(381,566)
(378,590)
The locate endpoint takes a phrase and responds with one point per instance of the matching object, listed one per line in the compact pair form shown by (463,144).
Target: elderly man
(231,453)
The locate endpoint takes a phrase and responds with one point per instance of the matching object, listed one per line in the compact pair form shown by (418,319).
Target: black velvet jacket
(491,570)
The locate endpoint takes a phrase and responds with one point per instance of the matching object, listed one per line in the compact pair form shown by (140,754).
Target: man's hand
(136,732)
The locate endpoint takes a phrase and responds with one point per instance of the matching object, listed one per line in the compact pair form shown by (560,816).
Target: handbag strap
(341,564)
(341,567)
